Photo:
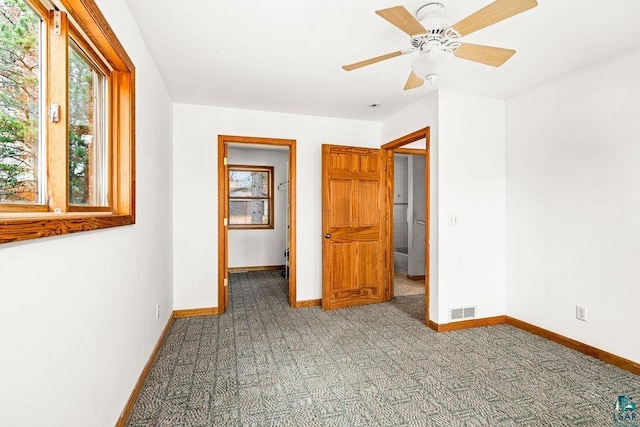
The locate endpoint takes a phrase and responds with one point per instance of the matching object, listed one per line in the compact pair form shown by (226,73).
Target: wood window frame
(270,186)
(84,22)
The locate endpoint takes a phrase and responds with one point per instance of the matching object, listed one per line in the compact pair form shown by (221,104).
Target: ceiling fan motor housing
(440,37)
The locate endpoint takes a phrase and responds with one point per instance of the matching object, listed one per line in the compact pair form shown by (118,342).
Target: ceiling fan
(434,38)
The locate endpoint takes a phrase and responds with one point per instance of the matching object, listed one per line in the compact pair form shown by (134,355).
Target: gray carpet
(265,364)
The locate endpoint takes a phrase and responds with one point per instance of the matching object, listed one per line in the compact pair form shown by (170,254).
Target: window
(20,80)
(87,152)
(250,197)
(66,121)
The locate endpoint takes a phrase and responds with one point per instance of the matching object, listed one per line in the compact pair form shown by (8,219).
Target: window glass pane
(87,156)
(19,103)
(249,212)
(248,184)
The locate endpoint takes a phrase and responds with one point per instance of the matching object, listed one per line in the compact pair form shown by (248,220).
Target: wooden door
(353,224)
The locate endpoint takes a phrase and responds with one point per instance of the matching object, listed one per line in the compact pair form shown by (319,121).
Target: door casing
(389,149)
(223,208)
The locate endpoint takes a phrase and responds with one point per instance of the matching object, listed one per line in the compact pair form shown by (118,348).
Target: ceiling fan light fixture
(429,65)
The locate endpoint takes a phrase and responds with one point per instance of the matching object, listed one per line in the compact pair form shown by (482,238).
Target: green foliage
(78,168)
(19,102)
(80,127)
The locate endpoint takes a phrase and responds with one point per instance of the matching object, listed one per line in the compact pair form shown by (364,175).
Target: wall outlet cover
(581,313)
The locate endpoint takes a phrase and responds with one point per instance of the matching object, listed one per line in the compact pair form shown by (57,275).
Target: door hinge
(225,222)
(226,282)
(225,161)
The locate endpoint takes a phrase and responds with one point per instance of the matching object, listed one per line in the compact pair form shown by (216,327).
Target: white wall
(78,311)
(196,129)
(467,178)
(258,247)
(472,187)
(572,205)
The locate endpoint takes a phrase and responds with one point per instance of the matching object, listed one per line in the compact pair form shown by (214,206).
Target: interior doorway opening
(256,229)
(416,143)
(409,222)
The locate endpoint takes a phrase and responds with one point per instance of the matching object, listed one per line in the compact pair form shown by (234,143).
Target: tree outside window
(19,102)
(86,151)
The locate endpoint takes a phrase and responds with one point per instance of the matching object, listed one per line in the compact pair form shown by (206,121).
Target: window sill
(15,227)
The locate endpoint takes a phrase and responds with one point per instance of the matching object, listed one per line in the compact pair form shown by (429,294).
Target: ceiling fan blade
(371,61)
(489,55)
(403,19)
(489,15)
(413,81)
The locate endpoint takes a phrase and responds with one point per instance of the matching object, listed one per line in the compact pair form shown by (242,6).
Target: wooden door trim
(222,214)
(389,149)
(408,139)
(410,151)
(222,210)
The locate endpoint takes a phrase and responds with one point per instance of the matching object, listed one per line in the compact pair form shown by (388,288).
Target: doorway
(409,222)
(283,189)
(418,140)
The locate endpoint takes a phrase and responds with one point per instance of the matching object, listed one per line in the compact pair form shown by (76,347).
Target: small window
(250,197)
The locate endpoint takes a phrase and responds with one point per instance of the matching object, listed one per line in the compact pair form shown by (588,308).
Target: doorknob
(327,236)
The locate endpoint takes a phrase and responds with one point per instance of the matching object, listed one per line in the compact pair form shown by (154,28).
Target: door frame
(389,149)
(223,207)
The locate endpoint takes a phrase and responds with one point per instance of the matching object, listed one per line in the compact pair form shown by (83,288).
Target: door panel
(368,212)
(341,191)
(353,250)
(342,271)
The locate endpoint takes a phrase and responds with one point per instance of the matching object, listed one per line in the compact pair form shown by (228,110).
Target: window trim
(270,198)
(18,222)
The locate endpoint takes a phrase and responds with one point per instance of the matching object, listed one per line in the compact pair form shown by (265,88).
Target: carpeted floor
(403,286)
(265,364)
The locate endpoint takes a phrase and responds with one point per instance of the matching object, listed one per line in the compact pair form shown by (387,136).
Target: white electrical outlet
(157,311)
(453,220)
(581,313)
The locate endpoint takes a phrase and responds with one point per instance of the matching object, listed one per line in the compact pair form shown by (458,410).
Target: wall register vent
(463,313)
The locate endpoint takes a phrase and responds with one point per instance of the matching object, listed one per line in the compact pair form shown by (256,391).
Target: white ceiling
(286,55)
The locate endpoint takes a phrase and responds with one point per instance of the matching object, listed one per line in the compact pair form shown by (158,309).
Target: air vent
(463,313)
